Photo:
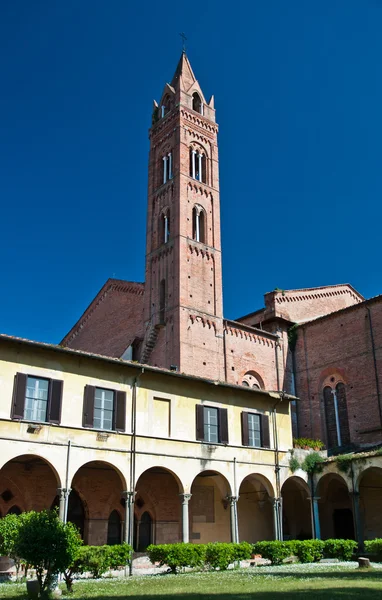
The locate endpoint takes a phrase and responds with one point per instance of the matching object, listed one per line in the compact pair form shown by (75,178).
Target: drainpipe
(278,501)
(67,489)
(236,496)
(131,493)
(225,353)
(375,366)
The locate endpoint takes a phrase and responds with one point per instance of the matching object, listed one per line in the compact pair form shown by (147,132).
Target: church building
(158,420)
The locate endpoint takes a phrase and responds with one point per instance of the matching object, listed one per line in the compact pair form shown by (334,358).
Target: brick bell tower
(183,290)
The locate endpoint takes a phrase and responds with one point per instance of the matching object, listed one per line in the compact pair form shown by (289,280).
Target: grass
(287,582)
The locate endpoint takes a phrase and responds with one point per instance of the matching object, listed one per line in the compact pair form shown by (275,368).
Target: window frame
(34,410)
(222,424)
(103,389)
(264,429)
(258,415)
(54,399)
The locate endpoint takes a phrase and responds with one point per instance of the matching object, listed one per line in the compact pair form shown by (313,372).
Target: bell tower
(183,290)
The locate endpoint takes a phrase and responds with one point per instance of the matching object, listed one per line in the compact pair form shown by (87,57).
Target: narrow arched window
(251,379)
(199,224)
(197,104)
(167,169)
(166,106)
(164,227)
(198,165)
(336,415)
(114,529)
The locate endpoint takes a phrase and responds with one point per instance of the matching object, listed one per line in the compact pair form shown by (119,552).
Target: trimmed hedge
(220,555)
(97,560)
(374,546)
(341,549)
(216,555)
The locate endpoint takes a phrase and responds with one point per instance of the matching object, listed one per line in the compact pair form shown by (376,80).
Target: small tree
(9,531)
(47,544)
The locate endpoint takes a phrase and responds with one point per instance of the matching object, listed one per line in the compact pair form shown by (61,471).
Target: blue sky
(298,93)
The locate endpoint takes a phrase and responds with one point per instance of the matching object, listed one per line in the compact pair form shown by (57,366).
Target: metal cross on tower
(183,36)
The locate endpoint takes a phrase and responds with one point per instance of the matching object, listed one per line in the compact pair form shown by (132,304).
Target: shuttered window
(37,399)
(255,430)
(104,409)
(211,424)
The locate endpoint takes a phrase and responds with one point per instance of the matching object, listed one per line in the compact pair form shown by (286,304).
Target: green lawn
(292,582)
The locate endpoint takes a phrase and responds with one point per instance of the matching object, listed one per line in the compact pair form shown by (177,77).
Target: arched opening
(14,510)
(27,482)
(166,105)
(297,522)
(164,227)
(199,226)
(335,507)
(370,494)
(96,492)
(336,414)
(157,508)
(255,509)
(114,529)
(209,508)
(253,380)
(198,164)
(197,104)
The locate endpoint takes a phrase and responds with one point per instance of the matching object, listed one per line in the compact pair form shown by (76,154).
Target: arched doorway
(114,529)
(297,520)
(27,482)
(209,510)
(335,508)
(96,492)
(157,508)
(14,510)
(370,494)
(144,532)
(255,510)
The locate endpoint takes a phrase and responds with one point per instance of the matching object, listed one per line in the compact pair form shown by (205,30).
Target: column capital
(129,496)
(232,499)
(314,498)
(354,493)
(185,498)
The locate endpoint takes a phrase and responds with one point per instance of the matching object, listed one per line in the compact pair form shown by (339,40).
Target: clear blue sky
(298,93)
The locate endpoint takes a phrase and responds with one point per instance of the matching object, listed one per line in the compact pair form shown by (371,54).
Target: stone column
(233,517)
(185,498)
(316,530)
(193,164)
(276,520)
(170,165)
(200,157)
(61,497)
(66,503)
(358,525)
(128,528)
(164,169)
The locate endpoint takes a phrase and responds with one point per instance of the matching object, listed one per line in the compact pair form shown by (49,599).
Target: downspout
(308,382)
(279,532)
(132,464)
(235,494)
(67,492)
(375,366)
(225,353)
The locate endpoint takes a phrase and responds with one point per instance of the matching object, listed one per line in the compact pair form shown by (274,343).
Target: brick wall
(339,346)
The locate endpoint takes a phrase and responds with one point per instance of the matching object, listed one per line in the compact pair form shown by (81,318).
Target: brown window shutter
(18,400)
(120,411)
(200,422)
(265,439)
(244,429)
(55,401)
(223,425)
(88,412)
